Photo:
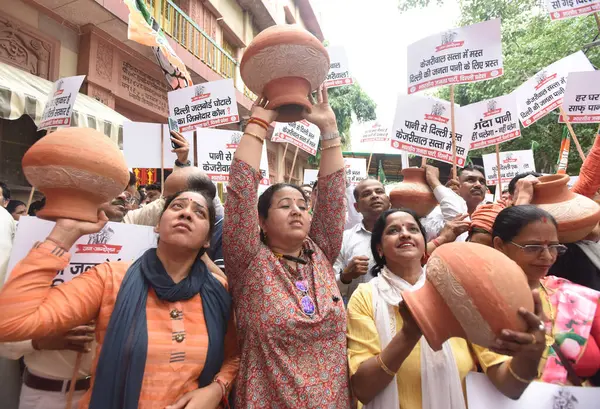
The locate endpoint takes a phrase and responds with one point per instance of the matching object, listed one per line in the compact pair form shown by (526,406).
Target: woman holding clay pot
(392,365)
(528,235)
(290,315)
(164,327)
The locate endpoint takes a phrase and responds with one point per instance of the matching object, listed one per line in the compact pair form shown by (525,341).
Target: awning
(22,93)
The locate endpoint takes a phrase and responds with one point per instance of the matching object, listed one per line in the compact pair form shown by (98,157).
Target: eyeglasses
(537,249)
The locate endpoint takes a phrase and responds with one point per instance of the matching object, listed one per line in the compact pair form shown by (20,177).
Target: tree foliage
(530,42)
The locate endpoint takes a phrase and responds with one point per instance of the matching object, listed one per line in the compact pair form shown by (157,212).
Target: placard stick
(162,163)
(369,163)
(30,199)
(195,149)
(498,166)
(597,17)
(453,126)
(285,151)
(293,164)
(572,132)
(73,380)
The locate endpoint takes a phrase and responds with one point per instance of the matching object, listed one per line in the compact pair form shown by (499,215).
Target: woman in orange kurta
(164,326)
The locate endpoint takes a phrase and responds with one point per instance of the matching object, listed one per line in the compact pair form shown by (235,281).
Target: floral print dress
(288,359)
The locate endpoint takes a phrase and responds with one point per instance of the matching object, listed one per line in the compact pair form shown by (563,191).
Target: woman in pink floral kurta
(290,317)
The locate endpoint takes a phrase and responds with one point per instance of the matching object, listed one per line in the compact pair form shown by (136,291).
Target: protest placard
(310,176)
(511,164)
(141,145)
(544,92)
(339,73)
(421,127)
(216,155)
(372,137)
(562,9)
(115,242)
(493,121)
(461,55)
(302,134)
(59,107)
(582,98)
(204,105)
(356,170)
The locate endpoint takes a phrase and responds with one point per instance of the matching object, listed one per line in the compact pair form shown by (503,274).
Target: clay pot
(284,64)
(414,193)
(575,214)
(473,292)
(77,169)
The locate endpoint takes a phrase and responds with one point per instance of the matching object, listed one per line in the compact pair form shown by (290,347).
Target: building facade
(60,38)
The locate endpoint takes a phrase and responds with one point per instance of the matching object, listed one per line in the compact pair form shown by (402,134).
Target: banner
(544,92)
(339,73)
(59,107)
(422,126)
(216,155)
(204,105)
(494,121)
(561,9)
(356,170)
(302,134)
(563,157)
(511,164)
(582,98)
(461,55)
(115,242)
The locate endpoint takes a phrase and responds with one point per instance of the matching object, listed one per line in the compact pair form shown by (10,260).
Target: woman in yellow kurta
(391,364)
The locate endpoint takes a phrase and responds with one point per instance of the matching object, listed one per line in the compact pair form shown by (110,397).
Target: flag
(380,172)
(534,145)
(563,157)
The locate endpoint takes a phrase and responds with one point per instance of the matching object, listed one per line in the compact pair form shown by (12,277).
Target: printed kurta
(288,360)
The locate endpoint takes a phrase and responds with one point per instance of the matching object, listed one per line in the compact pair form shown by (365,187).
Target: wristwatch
(182,165)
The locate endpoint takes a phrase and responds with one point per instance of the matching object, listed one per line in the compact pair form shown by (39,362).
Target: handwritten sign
(339,73)
(422,127)
(204,105)
(582,98)
(461,55)
(302,134)
(59,107)
(562,9)
(511,164)
(216,155)
(494,121)
(356,170)
(115,242)
(544,92)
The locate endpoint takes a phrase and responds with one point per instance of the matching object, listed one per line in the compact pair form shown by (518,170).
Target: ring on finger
(542,327)
(533,339)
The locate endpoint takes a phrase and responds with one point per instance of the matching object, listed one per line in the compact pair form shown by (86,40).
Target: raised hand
(321,113)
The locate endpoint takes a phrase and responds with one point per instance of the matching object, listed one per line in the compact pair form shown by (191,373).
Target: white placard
(115,242)
(494,121)
(310,176)
(375,131)
(339,74)
(511,164)
(372,137)
(356,170)
(582,98)
(544,92)
(482,394)
(141,145)
(461,55)
(561,9)
(422,126)
(302,134)
(216,155)
(59,107)
(204,105)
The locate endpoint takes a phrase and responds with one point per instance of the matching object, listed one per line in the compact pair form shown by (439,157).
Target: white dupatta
(440,380)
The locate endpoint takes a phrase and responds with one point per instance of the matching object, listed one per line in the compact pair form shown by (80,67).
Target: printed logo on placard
(59,88)
(509,158)
(542,78)
(98,243)
(234,141)
(449,41)
(437,112)
(492,108)
(199,93)
(564,400)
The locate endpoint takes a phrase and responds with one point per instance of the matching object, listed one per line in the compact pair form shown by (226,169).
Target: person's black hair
(201,183)
(513,183)
(472,168)
(11,207)
(512,220)
(153,186)
(36,206)
(211,212)
(355,191)
(314,186)
(132,179)
(5,191)
(377,236)
(142,196)
(264,201)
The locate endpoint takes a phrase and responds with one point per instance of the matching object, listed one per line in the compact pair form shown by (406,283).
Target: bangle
(517,377)
(259,121)
(335,145)
(262,140)
(256,122)
(436,242)
(329,135)
(182,164)
(223,385)
(384,366)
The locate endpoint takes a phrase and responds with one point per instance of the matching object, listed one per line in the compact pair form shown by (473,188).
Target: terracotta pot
(77,169)
(575,214)
(473,292)
(285,63)
(414,193)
